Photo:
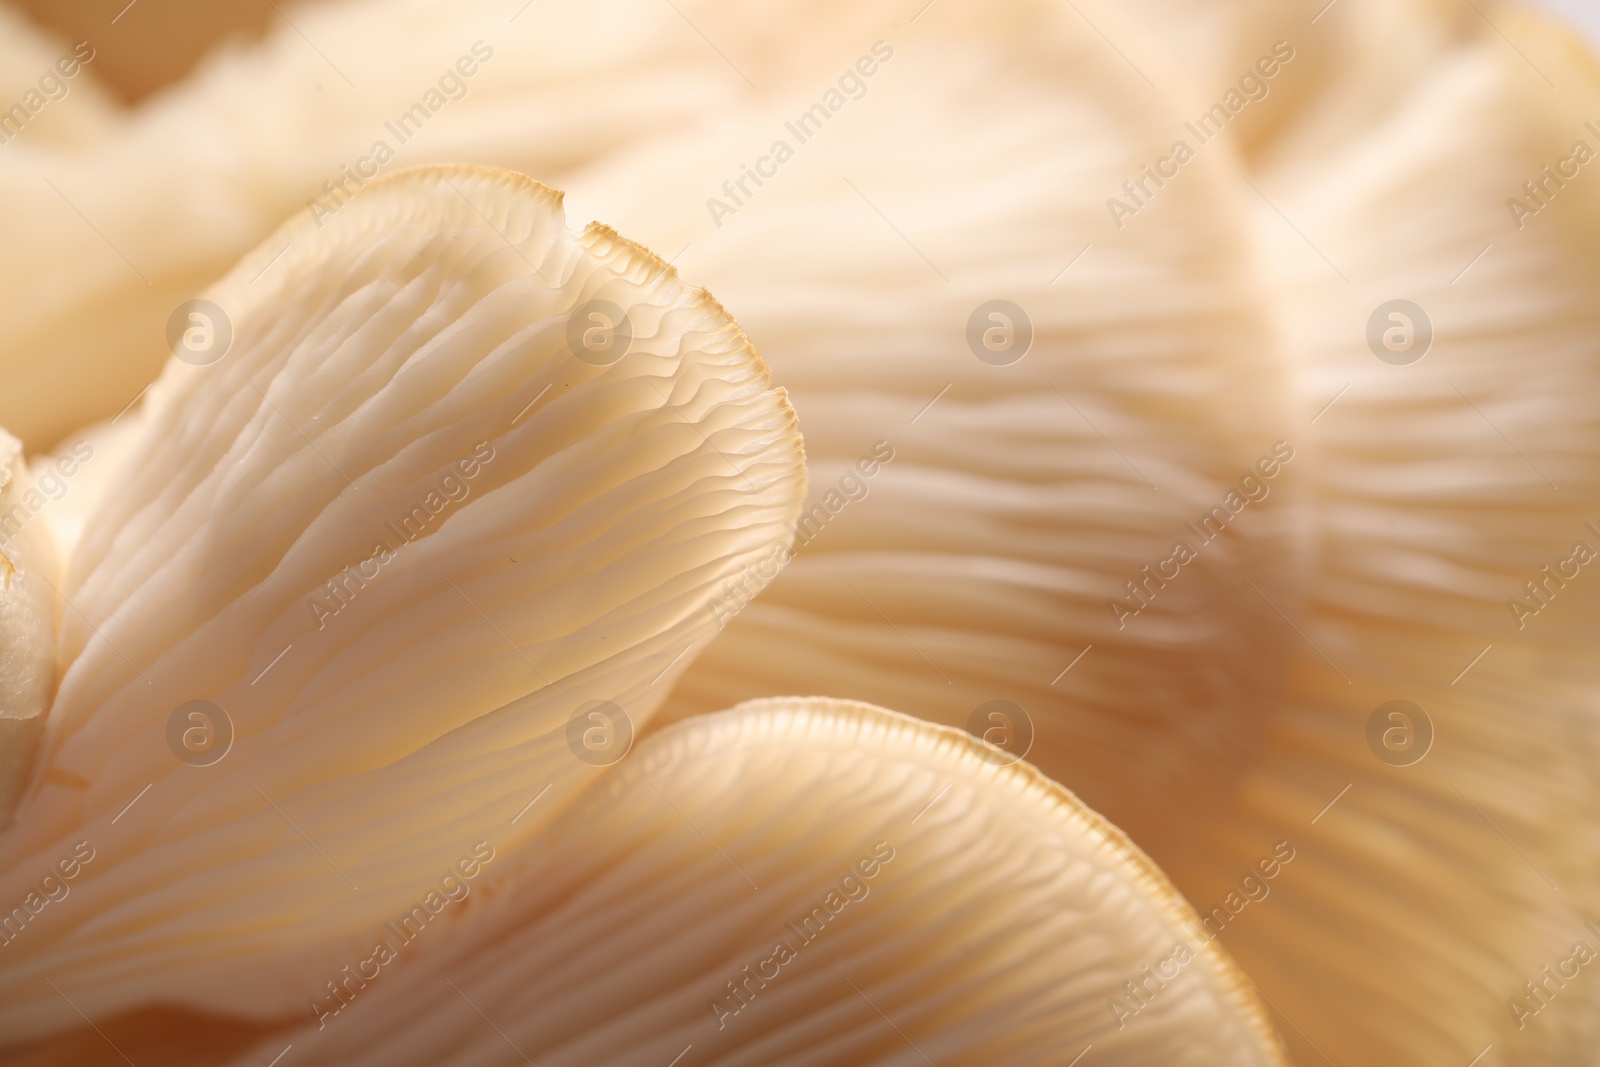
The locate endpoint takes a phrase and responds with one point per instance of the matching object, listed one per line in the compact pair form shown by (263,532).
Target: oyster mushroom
(393,536)
(1451,465)
(884,890)
(1410,926)
(1029,488)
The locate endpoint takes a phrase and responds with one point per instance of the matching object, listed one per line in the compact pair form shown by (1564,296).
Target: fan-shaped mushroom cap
(1443,478)
(398,533)
(1022,499)
(808,881)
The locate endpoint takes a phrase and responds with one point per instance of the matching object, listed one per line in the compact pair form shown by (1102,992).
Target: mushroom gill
(804,881)
(422,488)
(1446,363)
(1035,492)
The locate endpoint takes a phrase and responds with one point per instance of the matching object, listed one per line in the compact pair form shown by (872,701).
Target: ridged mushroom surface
(410,521)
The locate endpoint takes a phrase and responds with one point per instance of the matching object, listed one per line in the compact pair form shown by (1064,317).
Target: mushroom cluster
(404,595)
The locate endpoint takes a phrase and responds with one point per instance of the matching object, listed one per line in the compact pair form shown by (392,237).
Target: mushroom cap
(1024,495)
(397,535)
(879,889)
(1439,481)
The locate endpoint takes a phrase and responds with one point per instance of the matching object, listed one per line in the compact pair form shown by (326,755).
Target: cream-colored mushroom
(802,881)
(1453,459)
(1030,485)
(977,563)
(423,486)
